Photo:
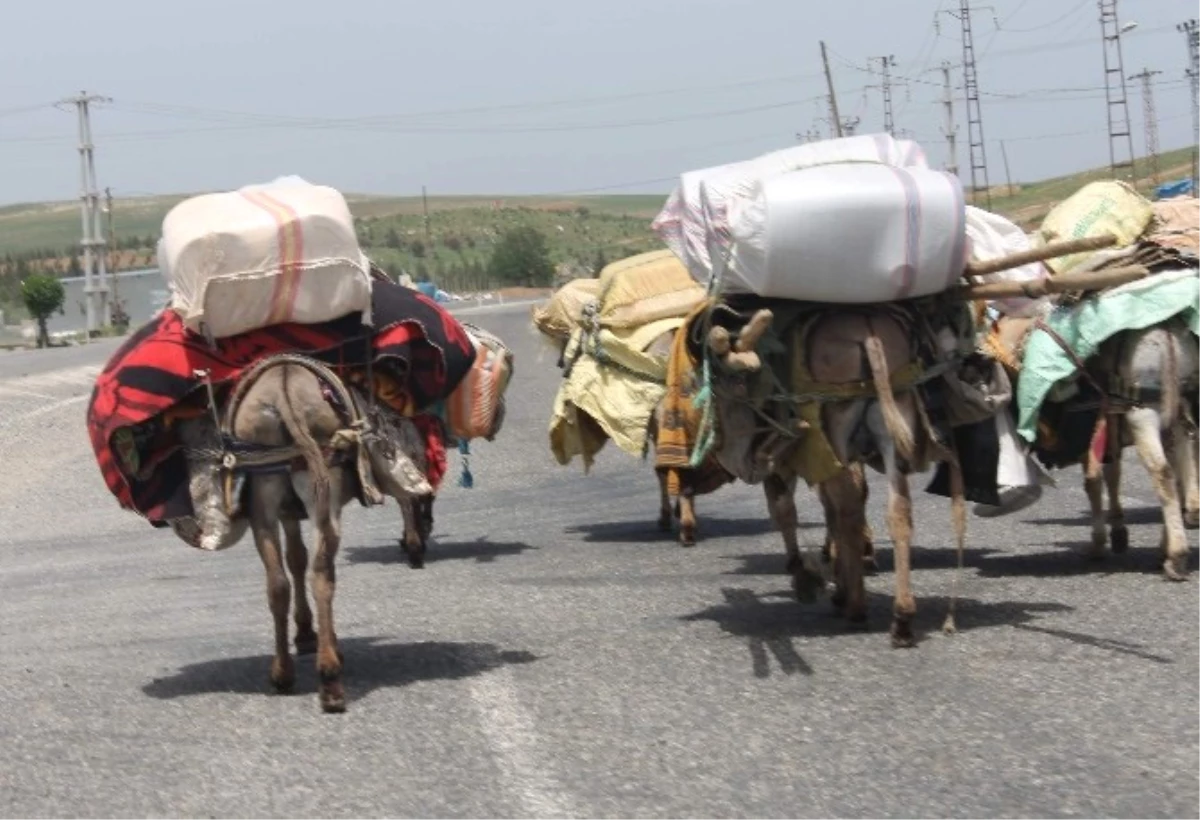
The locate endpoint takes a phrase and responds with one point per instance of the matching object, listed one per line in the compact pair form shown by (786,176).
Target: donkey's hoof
(1120,539)
(869,565)
(687,537)
(283,676)
(1191,519)
(333,699)
(793,563)
(416,561)
(902,635)
(1175,569)
(665,523)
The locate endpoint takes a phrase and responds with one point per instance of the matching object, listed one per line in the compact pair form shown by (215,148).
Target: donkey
(1159,365)
(889,431)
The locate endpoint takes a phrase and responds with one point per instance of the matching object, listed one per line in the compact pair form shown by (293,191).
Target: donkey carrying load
(613,335)
(212,419)
(1113,370)
(836,337)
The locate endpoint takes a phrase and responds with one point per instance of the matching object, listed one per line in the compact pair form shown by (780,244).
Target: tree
(600,263)
(521,258)
(73,266)
(43,295)
(418,248)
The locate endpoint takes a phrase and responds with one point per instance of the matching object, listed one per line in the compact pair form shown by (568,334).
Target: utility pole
(833,109)
(889,123)
(1120,130)
(112,249)
(950,129)
(975,141)
(1007,175)
(95,289)
(425,208)
(1193,73)
(1150,120)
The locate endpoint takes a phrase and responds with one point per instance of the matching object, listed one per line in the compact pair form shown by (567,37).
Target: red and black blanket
(154,371)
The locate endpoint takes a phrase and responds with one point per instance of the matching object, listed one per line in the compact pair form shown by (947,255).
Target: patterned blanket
(151,379)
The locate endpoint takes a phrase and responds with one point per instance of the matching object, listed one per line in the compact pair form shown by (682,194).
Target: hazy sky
(541,96)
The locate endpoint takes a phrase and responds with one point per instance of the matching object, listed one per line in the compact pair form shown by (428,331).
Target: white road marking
(510,733)
(6,388)
(41,411)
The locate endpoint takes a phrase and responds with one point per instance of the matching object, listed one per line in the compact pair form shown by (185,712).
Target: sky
(546,96)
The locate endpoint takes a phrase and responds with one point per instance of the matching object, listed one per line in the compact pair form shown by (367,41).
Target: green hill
(453,248)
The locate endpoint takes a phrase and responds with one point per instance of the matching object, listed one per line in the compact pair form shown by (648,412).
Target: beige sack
(264,255)
(1098,208)
(561,314)
(645,288)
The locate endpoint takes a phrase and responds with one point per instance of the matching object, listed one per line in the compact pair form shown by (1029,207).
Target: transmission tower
(1193,73)
(885,63)
(950,130)
(95,285)
(975,139)
(1120,132)
(1150,120)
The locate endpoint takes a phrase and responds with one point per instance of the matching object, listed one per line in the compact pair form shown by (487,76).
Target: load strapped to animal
(1108,363)
(837,332)
(272,276)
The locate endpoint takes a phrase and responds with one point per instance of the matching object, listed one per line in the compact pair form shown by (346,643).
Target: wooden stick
(1050,251)
(1083,280)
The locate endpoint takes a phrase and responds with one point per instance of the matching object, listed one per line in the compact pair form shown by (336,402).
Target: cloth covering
(151,378)
(680,427)
(597,402)
(1086,325)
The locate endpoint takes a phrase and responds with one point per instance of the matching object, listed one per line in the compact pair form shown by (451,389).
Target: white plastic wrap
(991,236)
(264,255)
(697,211)
(850,233)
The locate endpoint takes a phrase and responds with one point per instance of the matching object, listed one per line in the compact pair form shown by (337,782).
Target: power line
(1120,128)
(1189,28)
(1150,120)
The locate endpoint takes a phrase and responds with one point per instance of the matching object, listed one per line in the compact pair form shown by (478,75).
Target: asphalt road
(560,657)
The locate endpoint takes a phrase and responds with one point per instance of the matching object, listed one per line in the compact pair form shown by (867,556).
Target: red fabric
(155,369)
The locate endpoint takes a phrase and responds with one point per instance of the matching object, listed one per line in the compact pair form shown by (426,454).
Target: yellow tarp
(598,401)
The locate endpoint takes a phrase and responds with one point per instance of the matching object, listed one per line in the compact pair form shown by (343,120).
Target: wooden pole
(1048,251)
(1082,280)
(837,120)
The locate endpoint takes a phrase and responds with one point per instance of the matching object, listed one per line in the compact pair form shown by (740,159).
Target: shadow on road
(773,563)
(370,664)
(640,531)
(482,551)
(769,622)
(1134,516)
(1071,558)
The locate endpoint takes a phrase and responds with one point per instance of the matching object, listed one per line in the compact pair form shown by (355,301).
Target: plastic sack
(851,233)
(697,212)
(476,407)
(1098,208)
(645,288)
(563,311)
(264,255)
(991,236)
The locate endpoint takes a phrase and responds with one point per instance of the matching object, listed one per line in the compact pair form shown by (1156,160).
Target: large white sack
(697,211)
(264,255)
(991,236)
(852,233)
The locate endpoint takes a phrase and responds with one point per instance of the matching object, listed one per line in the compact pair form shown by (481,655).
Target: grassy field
(454,247)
